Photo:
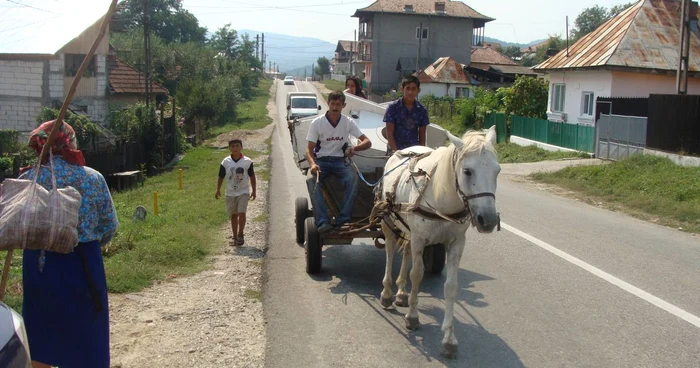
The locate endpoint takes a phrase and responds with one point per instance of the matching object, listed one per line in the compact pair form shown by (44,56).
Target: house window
(462,92)
(425,33)
(558,96)
(587,103)
(72,64)
(440,7)
(408,8)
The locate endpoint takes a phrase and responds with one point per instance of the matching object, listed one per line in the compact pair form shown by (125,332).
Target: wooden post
(59,120)
(179,179)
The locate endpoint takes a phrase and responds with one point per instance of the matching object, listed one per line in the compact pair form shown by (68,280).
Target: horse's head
(476,170)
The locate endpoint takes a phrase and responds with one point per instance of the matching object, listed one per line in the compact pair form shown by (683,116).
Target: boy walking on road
(406,119)
(240,176)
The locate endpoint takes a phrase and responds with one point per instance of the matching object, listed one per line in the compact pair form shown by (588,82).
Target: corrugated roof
(445,70)
(456,9)
(644,36)
(345,45)
(125,79)
(513,69)
(489,55)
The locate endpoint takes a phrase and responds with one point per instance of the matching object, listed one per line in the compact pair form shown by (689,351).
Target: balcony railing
(365,35)
(365,57)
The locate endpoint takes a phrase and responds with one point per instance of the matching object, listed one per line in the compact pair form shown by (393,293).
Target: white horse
(460,192)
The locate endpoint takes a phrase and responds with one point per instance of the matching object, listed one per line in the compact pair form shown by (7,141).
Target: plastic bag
(32,217)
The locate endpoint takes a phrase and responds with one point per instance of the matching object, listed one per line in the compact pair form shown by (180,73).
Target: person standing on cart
(327,148)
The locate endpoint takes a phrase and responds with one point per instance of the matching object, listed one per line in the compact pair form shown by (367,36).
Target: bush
(85,129)
(138,123)
(9,141)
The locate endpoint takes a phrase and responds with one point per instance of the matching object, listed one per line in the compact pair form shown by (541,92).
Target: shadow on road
(359,270)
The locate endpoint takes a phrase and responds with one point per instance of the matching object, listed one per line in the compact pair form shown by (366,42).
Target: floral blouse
(98,217)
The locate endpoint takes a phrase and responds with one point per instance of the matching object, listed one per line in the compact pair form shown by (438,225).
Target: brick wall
(20,93)
(19,113)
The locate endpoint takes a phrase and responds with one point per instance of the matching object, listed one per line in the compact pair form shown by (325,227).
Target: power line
(32,7)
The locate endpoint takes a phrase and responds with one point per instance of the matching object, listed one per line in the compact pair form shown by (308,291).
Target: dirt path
(209,320)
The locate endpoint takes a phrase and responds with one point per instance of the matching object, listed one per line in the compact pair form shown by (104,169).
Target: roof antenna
(567,36)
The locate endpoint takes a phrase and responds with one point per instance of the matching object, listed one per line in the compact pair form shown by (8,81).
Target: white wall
(20,93)
(578,82)
(627,84)
(441,89)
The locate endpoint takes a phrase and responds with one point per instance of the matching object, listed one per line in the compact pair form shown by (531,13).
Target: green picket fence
(499,120)
(573,136)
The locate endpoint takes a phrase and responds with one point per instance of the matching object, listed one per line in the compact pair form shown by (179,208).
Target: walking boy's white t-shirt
(329,139)
(237,175)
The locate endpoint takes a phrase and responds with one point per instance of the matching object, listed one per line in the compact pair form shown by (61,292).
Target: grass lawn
(648,187)
(252,114)
(510,153)
(187,229)
(334,84)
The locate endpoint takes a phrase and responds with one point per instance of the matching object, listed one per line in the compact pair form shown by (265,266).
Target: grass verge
(254,294)
(252,114)
(334,85)
(510,153)
(651,188)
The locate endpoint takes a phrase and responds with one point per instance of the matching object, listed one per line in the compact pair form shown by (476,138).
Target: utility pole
(257,47)
(420,39)
(263,51)
(269,67)
(147,50)
(313,72)
(683,50)
(352,46)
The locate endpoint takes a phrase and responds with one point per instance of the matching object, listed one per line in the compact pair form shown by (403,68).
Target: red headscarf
(65,138)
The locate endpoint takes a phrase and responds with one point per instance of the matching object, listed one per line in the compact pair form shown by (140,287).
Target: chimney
(408,8)
(440,7)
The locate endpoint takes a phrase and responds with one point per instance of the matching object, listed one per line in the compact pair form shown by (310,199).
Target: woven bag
(32,217)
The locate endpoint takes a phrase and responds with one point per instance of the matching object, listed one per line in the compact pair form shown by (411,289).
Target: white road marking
(295,86)
(668,307)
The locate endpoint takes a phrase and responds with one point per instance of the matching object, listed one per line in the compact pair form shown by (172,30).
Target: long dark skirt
(63,325)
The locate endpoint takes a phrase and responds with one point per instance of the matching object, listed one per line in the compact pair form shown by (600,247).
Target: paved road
(563,285)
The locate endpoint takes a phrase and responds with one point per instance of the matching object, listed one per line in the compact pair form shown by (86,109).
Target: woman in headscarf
(353,86)
(65,295)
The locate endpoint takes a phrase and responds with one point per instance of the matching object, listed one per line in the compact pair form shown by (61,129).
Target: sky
(44,26)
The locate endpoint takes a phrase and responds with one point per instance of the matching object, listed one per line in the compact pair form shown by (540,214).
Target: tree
(617,9)
(512,52)
(168,20)
(526,97)
(225,41)
(323,66)
(589,19)
(554,43)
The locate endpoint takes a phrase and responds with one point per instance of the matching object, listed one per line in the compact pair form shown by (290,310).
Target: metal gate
(620,136)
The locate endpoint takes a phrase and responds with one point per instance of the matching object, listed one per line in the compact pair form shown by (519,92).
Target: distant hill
(508,44)
(293,53)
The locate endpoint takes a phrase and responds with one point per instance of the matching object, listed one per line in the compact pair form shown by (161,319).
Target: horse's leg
(449,340)
(387,297)
(401,296)
(417,246)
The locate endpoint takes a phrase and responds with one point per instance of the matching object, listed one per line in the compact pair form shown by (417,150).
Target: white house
(634,54)
(445,77)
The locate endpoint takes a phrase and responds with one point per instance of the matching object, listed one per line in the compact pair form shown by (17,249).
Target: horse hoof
(412,323)
(401,300)
(449,351)
(387,302)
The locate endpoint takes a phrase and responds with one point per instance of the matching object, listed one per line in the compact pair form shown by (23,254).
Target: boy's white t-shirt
(329,139)
(237,175)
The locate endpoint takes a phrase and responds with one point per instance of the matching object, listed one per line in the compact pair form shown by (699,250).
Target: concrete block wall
(55,79)
(21,78)
(19,113)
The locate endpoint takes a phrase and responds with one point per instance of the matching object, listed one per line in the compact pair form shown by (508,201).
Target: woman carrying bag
(65,295)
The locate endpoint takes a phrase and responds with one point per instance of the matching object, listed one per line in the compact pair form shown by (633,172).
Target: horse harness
(389,208)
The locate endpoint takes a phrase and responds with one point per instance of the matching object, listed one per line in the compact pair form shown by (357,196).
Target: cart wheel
(301,212)
(313,247)
(434,258)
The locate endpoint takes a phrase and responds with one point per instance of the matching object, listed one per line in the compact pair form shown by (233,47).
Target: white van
(301,105)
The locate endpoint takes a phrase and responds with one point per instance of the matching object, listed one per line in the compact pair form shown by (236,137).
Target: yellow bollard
(155,203)
(179,178)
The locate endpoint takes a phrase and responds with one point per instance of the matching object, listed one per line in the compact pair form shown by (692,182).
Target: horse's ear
(454,140)
(491,135)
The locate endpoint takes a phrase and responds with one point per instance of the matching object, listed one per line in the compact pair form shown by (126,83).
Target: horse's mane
(444,178)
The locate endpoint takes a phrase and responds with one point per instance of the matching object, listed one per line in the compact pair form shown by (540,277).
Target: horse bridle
(467,198)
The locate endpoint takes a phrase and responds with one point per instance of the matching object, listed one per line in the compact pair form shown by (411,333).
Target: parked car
(14,349)
(289,80)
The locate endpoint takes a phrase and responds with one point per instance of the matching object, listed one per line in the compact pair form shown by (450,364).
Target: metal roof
(445,70)
(455,9)
(489,55)
(513,69)
(644,36)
